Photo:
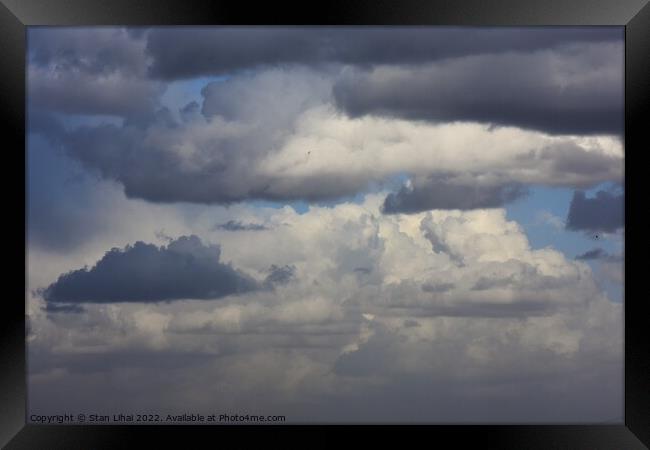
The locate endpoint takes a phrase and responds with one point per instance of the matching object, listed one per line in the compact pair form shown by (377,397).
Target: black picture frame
(16,15)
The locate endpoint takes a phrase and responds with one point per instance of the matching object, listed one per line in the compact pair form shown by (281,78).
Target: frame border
(16,15)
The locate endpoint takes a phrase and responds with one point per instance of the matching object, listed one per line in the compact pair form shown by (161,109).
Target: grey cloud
(601,213)
(245,119)
(97,51)
(161,160)
(528,308)
(144,168)
(190,111)
(89,71)
(573,91)
(485,283)
(185,268)
(379,352)
(63,308)
(439,287)
(271,99)
(439,245)
(86,93)
(442,192)
(573,165)
(235,225)
(45,124)
(117,71)
(280,275)
(579,161)
(189,52)
(63,205)
(596,253)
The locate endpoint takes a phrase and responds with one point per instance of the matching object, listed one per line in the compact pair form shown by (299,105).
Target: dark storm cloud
(601,213)
(565,92)
(186,268)
(190,52)
(235,225)
(441,193)
(116,70)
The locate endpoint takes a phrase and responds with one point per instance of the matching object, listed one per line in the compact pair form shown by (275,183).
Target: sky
(334,224)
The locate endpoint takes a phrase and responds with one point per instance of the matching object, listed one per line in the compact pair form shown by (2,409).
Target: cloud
(191,52)
(332,334)
(63,308)
(602,213)
(211,159)
(94,50)
(89,71)
(577,90)
(119,71)
(275,135)
(280,275)
(442,193)
(596,253)
(441,287)
(548,218)
(346,307)
(184,269)
(234,225)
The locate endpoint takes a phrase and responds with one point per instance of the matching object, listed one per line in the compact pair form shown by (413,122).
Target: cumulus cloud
(185,268)
(322,314)
(603,213)
(331,332)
